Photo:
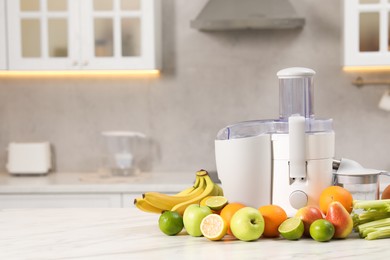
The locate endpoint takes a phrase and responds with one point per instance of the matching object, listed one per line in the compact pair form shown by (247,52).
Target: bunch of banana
(156,202)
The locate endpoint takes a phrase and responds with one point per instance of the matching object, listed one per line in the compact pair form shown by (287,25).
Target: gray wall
(209,80)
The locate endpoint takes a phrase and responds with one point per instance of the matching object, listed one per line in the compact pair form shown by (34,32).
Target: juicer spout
(297,148)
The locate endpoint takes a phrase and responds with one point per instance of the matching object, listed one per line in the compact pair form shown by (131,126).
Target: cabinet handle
(85,63)
(75,63)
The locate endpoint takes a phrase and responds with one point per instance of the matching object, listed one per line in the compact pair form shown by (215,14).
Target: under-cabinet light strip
(94,73)
(366,68)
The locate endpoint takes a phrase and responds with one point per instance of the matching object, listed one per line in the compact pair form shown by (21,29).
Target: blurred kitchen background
(207,81)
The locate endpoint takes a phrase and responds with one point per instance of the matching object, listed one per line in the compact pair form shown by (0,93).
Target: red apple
(340,218)
(308,215)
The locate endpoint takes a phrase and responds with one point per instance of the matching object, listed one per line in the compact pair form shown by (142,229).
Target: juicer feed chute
(287,161)
(296,92)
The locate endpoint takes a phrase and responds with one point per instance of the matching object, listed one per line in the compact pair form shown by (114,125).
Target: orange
(273,216)
(228,211)
(335,193)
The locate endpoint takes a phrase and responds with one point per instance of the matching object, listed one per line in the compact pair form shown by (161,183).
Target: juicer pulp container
(244,168)
(363,183)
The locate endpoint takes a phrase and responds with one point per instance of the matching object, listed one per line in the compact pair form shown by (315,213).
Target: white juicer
(285,162)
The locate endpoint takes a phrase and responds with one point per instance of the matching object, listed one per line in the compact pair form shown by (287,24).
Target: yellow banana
(156,202)
(202,173)
(167,202)
(210,190)
(143,205)
(191,189)
(220,190)
(185,192)
(197,181)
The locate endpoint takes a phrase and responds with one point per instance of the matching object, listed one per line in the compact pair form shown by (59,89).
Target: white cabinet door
(366,32)
(60,201)
(43,34)
(3,53)
(83,34)
(120,34)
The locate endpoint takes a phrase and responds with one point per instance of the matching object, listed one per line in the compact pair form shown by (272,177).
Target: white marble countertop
(94,183)
(132,234)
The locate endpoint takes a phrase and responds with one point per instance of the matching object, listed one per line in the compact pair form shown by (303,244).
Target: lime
(291,228)
(213,227)
(216,202)
(170,222)
(321,230)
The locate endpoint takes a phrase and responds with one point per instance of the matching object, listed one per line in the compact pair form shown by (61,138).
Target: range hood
(222,15)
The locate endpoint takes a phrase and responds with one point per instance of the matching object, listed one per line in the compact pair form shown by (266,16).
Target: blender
(285,161)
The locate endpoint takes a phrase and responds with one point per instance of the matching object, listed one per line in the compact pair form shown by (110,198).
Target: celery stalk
(374,224)
(367,231)
(368,216)
(374,221)
(372,204)
(379,233)
(373,215)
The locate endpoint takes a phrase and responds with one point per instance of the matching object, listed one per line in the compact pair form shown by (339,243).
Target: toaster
(29,158)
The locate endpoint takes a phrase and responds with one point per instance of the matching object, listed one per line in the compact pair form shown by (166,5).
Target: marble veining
(131,234)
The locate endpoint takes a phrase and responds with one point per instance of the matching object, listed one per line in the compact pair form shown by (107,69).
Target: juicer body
(255,171)
(292,193)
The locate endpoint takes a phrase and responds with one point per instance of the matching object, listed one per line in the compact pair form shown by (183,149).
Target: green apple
(193,216)
(247,224)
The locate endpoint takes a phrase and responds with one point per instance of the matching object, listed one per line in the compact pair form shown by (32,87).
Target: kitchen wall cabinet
(83,34)
(3,53)
(366,32)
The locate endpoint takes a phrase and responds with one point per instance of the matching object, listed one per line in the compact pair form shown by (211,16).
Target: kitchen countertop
(94,183)
(133,234)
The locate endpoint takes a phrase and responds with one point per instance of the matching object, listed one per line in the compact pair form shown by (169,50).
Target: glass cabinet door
(120,34)
(83,34)
(42,34)
(3,54)
(366,32)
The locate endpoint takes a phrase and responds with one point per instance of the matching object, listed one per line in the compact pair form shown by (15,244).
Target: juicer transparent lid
(296,94)
(260,127)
